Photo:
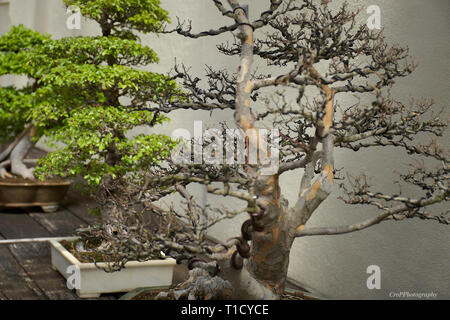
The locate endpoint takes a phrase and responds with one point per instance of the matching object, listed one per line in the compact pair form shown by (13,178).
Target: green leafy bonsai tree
(16,103)
(82,97)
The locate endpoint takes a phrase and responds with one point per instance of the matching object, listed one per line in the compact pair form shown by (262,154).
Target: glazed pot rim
(10,182)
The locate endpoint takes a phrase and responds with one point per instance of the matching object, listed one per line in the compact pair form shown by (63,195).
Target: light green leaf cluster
(16,48)
(96,50)
(93,135)
(14,110)
(86,90)
(121,17)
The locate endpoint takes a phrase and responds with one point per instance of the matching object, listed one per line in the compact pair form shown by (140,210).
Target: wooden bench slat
(20,225)
(14,283)
(60,223)
(35,259)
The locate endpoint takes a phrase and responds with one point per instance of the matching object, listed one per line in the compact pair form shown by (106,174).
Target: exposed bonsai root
(200,286)
(23,171)
(17,151)
(5,153)
(17,157)
(5,174)
(6,164)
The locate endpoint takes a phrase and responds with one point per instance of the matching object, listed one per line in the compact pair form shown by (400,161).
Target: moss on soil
(85,257)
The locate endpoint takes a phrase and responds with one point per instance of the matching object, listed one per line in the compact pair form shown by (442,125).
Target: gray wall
(413,255)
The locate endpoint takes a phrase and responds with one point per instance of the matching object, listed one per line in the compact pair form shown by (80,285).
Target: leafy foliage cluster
(82,91)
(122,17)
(16,47)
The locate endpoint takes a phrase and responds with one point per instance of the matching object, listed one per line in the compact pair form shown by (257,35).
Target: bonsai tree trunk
(263,275)
(17,152)
(273,227)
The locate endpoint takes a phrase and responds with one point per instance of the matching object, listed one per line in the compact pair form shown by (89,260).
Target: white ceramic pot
(90,281)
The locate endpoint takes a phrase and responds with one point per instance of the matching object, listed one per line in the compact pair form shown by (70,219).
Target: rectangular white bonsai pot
(92,281)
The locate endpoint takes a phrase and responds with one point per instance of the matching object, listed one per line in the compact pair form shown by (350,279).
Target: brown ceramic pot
(28,193)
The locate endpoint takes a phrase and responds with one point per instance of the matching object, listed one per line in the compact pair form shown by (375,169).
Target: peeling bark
(263,276)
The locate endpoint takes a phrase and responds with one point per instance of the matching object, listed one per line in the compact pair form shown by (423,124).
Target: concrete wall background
(413,255)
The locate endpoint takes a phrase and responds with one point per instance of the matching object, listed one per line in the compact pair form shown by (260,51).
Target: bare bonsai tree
(324,53)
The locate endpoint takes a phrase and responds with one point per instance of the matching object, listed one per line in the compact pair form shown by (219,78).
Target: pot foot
(50,209)
(88,295)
